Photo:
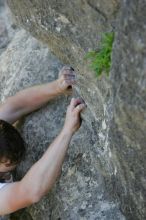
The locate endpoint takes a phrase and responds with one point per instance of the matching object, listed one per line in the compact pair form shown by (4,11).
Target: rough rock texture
(128,125)
(70,28)
(81,192)
(110,150)
(7,26)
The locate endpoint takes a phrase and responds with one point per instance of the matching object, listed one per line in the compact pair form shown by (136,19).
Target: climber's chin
(6,166)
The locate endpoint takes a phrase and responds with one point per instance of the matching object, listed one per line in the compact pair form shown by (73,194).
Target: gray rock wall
(108,156)
(128,125)
(7,26)
(80,193)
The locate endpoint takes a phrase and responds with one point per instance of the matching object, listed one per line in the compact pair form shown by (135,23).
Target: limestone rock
(128,125)
(114,132)
(80,193)
(70,28)
(7,26)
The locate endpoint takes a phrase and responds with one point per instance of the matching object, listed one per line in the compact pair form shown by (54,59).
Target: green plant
(101,58)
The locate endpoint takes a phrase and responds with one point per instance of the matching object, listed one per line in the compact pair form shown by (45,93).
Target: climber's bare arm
(33,98)
(31,188)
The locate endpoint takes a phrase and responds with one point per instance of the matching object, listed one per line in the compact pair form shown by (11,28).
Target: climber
(43,174)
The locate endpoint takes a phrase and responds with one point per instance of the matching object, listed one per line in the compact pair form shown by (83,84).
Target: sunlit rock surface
(81,192)
(105,164)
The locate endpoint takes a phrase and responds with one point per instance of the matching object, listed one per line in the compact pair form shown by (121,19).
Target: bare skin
(33,98)
(31,188)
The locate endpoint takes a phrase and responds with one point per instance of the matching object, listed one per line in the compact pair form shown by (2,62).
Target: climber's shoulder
(13,196)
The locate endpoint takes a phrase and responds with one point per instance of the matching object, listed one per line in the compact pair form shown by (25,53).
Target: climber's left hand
(66,80)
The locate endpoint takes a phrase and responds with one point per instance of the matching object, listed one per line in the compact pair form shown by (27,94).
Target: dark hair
(12,145)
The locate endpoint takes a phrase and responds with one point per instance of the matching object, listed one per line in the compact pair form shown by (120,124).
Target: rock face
(128,125)
(107,156)
(7,26)
(69,28)
(81,192)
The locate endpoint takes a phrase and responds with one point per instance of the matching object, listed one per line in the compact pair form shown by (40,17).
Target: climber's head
(12,147)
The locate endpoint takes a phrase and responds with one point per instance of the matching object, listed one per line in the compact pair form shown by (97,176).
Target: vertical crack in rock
(105,165)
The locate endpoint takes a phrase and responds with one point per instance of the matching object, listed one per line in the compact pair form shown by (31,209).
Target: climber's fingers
(75,102)
(69,76)
(68,68)
(67,73)
(79,108)
(69,82)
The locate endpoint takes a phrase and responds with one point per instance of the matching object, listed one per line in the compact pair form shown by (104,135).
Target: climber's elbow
(30,194)
(39,192)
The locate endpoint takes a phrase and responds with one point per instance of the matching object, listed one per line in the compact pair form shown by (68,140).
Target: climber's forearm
(34,97)
(43,174)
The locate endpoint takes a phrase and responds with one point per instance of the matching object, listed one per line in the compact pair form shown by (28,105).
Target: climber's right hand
(73,119)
